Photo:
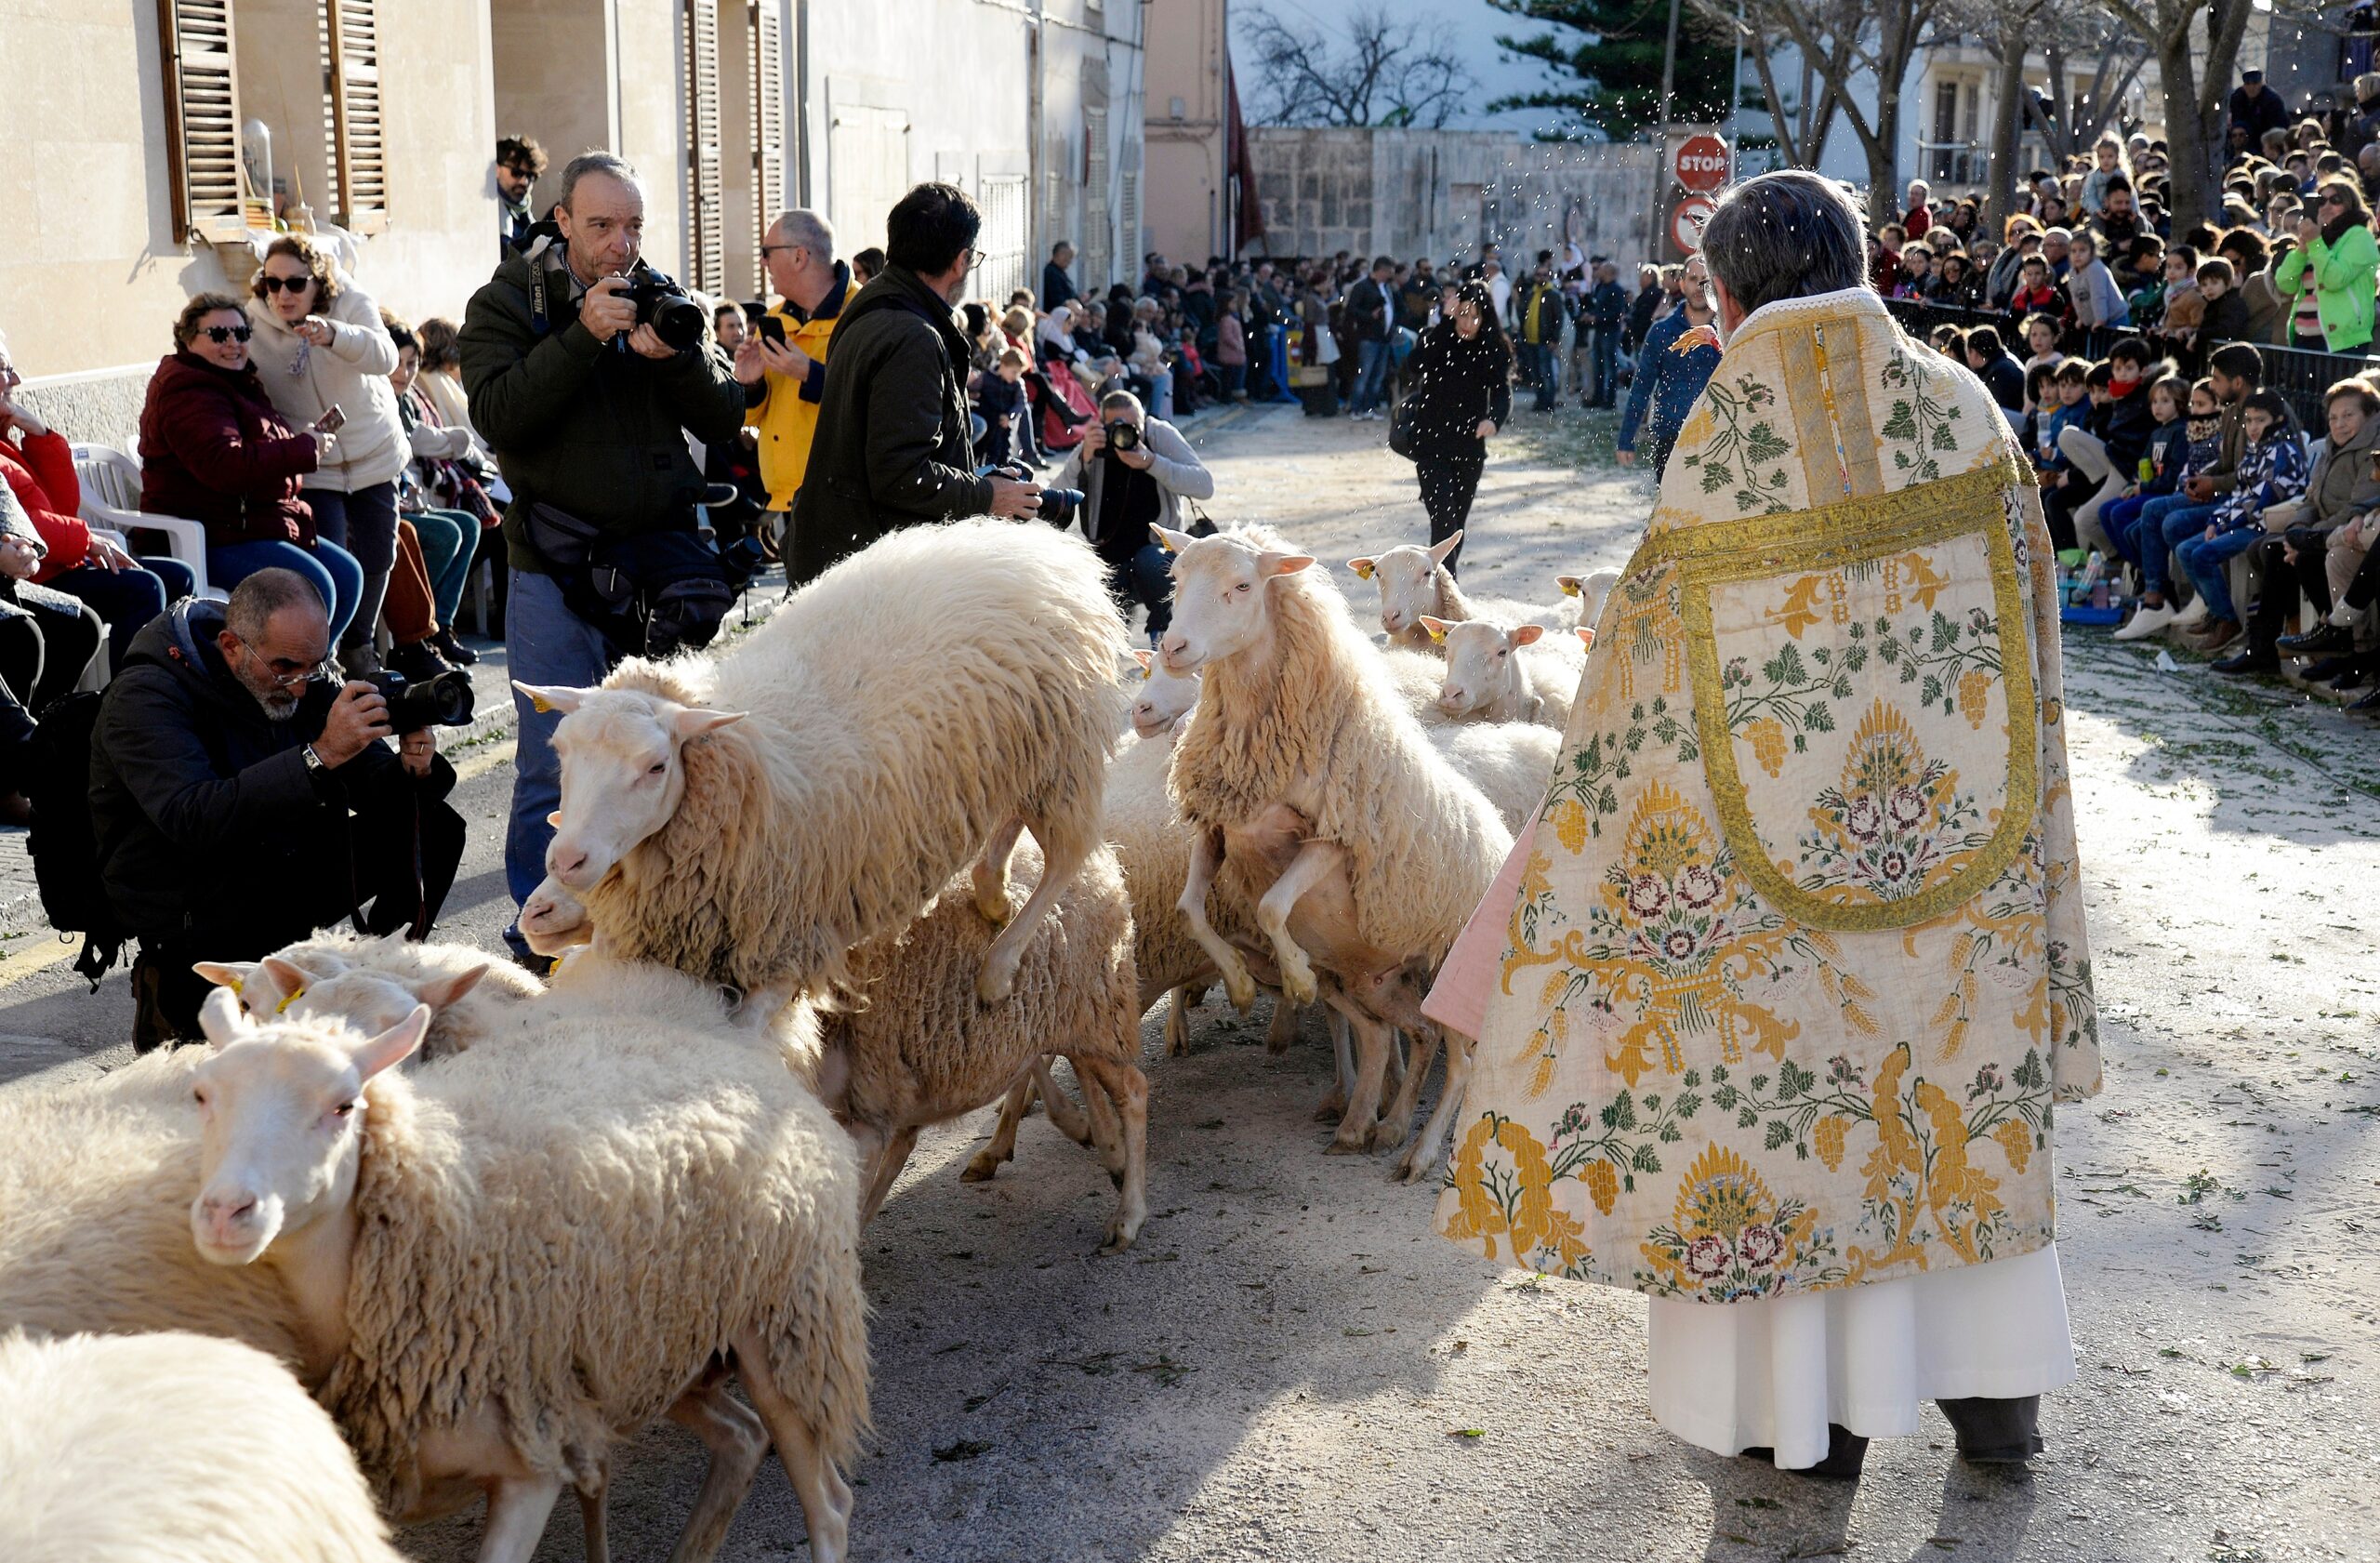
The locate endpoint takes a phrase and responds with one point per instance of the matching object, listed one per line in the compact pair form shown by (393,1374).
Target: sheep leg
(737,1442)
(991,873)
(1363,1103)
(1342,1053)
(594,1522)
(1177,1019)
(890,1159)
(1060,863)
(1127,1094)
(1398,1121)
(1421,1157)
(1284,1027)
(1072,1121)
(1316,861)
(1205,857)
(517,1508)
(986,1161)
(825,1496)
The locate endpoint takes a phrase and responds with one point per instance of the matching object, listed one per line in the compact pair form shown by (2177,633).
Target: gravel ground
(1289,1366)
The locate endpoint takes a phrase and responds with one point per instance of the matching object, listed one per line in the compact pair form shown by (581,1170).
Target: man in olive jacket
(588,412)
(893,447)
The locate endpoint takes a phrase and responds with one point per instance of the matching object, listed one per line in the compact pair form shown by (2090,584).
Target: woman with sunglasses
(215,450)
(2334,259)
(319,344)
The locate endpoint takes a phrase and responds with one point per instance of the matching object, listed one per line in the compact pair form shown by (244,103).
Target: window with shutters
(1098,237)
(768,127)
(201,119)
(1127,219)
(868,170)
(352,114)
(1005,266)
(705,263)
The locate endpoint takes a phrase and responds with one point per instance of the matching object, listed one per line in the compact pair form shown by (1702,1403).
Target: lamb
(372,984)
(1415,580)
(1495,673)
(1590,591)
(128,1449)
(1308,784)
(750,820)
(478,1238)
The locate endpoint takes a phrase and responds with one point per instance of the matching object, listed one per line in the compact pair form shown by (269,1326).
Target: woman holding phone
(324,357)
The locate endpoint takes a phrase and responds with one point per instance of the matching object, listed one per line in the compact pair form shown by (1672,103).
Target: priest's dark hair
(1789,234)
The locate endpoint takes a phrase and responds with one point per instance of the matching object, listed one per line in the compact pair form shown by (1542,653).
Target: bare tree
(1843,40)
(2195,43)
(1377,72)
(1804,119)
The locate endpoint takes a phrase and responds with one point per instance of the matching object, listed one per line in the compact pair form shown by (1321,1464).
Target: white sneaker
(2193,616)
(2147,622)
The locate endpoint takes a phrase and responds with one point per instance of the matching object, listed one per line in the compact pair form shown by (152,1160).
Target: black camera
(1059,505)
(662,304)
(444,701)
(1123,436)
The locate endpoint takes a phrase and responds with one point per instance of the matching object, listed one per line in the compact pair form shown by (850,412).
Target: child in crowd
(2187,427)
(2271,469)
(2073,411)
(1002,401)
(2036,294)
(1230,346)
(2185,305)
(2227,307)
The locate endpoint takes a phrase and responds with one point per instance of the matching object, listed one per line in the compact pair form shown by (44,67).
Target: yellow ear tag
(1439,636)
(282,1008)
(237,986)
(538,704)
(1570,588)
(1363,569)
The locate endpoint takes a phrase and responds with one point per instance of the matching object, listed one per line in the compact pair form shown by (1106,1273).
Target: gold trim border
(1826,537)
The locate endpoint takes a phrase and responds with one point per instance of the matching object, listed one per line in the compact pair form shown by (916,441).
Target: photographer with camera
(587,369)
(1133,472)
(893,446)
(240,799)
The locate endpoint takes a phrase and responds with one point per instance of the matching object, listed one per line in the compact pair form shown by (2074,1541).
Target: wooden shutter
(706,260)
(201,119)
(768,131)
(1098,226)
(1128,221)
(359,142)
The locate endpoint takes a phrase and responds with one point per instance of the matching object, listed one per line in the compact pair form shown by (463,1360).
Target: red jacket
(41,472)
(213,450)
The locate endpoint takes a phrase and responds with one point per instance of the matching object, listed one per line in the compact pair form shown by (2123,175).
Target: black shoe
(2249,661)
(1996,1432)
(1845,1451)
(2371,702)
(453,650)
(419,662)
(2323,639)
(2350,676)
(2326,668)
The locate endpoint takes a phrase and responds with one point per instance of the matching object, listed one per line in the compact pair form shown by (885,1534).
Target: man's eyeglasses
(766,250)
(219,334)
(269,285)
(289,674)
(975,259)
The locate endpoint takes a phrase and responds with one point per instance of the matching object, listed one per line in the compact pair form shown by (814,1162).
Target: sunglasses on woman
(269,284)
(219,334)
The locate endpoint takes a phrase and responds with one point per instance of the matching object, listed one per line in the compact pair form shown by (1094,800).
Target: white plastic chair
(110,483)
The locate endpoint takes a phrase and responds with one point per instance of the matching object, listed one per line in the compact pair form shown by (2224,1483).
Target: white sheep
(749,820)
(372,984)
(533,1250)
(1308,784)
(1414,580)
(130,1448)
(1495,673)
(1590,590)
(1511,763)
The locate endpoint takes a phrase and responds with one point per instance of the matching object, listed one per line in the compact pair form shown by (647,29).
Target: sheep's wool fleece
(904,706)
(172,1449)
(1320,723)
(96,1182)
(1797,967)
(567,1226)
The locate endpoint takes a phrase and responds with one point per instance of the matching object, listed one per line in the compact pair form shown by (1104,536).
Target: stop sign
(1702,162)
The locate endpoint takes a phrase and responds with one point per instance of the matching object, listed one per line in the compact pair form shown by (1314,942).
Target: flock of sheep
(801,927)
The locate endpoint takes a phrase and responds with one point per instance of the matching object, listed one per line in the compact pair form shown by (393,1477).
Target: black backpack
(65,850)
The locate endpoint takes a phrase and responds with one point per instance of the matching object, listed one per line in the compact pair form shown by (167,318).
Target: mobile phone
(333,421)
(771,329)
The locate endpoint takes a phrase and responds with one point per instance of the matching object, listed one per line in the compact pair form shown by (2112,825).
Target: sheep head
(1407,577)
(1164,696)
(280,1109)
(307,986)
(622,772)
(1480,662)
(1219,596)
(552,919)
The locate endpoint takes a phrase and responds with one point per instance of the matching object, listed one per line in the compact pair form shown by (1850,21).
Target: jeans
(50,639)
(2164,522)
(1538,359)
(2087,453)
(2203,559)
(1607,366)
(1447,490)
(1371,374)
(364,523)
(331,570)
(2120,520)
(545,643)
(1145,578)
(126,599)
(448,542)
(1276,356)
(1235,380)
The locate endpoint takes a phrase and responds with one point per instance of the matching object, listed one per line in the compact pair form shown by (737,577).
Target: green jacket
(2343,277)
(577,423)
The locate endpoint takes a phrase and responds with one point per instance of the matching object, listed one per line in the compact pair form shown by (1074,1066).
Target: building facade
(1193,202)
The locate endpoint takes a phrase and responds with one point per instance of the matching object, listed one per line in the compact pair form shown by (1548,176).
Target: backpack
(65,849)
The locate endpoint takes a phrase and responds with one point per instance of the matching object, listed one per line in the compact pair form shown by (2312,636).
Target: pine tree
(1609,52)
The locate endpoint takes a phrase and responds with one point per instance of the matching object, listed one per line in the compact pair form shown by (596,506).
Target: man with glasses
(784,369)
(240,799)
(519,162)
(893,447)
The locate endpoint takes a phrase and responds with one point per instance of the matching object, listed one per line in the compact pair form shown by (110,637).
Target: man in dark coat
(239,801)
(893,447)
(1057,283)
(2257,106)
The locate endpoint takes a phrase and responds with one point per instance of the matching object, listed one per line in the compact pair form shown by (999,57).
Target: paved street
(1289,1366)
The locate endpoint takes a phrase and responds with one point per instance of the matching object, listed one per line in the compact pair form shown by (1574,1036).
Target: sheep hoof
(1177,1033)
(1387,1134)
(1341,1144)
(981,1168)
(1411,1167)
(1120,1234)
(1297,982)
(994,911)
(1240,989)
(993,986)
(1331,1108)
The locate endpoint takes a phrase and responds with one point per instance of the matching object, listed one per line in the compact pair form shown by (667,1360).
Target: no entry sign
(1686,220)
(1701,163)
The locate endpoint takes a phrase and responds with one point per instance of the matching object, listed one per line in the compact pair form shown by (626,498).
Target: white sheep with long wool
(131,1448)
(1497,672)
(1311,791)
(1414,580)
(479,1238)
(750,819)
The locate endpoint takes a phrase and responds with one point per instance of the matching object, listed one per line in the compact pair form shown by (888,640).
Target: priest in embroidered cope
(1775,999)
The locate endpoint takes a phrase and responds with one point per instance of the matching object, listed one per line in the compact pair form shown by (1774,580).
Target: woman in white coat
(319,345)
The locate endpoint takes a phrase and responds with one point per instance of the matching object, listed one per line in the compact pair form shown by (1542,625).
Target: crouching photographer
(1134,470)
(241,801)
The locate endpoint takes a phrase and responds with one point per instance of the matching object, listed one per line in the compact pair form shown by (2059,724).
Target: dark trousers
(1447,490)
(1606,358)
(127,599)
(2283,581)
(1145,578)
(364,523)
(45,639)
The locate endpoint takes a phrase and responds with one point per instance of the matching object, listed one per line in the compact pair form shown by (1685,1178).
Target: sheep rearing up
(750,820)
(1303,776)
(128,1448)
(479,1238)
(1415,580)
(1494,674)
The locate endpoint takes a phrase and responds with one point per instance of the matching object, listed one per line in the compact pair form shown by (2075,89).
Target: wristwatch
(315,763)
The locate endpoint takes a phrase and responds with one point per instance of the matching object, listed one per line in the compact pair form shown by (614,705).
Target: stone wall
(1442,193)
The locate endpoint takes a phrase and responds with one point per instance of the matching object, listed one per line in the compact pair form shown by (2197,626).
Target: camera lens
(678,321)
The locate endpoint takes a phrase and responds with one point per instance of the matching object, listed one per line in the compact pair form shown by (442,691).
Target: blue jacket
(1667,381)
(2271,472)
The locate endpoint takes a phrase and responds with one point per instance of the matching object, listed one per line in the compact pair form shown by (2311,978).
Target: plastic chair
(110,483)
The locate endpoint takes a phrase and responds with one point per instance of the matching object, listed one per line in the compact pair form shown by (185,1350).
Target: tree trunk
(2008,125)
(2185,129)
